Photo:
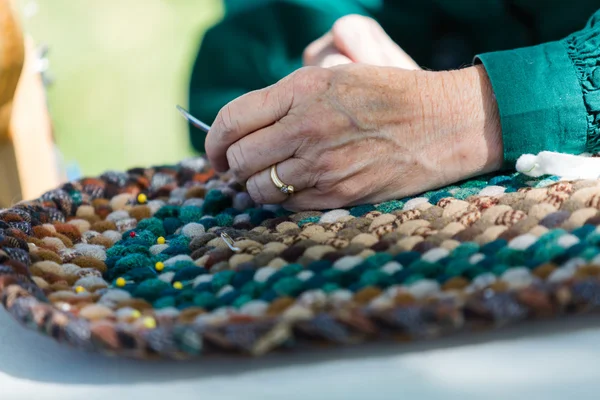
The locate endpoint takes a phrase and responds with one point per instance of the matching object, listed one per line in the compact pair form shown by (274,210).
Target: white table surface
(546,360)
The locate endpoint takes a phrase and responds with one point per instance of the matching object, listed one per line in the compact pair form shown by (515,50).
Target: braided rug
(136,263)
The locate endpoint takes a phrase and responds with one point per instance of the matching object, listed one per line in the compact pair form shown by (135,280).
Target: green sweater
(542,56)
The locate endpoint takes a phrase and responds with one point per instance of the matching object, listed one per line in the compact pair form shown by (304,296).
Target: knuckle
(308,128)
(225,122)
(344,191)
(327,163)
(312,80)
(309,54)
(350,22)
(255,192)
(237,161)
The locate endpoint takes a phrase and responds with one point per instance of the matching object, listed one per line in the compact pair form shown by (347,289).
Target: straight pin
(229,242)
(193,120)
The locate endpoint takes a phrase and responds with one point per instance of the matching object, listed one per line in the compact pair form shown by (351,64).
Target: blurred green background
(119,68)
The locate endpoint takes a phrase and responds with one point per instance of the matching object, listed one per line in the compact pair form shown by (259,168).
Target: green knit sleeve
(549,95)
(254,46)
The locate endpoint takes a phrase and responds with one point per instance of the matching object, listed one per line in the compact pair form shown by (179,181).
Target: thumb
(363,40)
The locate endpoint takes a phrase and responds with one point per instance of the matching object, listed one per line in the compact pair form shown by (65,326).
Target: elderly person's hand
(358,39)
(355,134)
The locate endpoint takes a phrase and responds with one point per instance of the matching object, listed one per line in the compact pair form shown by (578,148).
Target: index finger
(244,115)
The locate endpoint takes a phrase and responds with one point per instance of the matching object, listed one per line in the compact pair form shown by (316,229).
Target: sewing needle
(193,120)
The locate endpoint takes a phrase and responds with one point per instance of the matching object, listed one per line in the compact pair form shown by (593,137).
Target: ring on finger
(283,187)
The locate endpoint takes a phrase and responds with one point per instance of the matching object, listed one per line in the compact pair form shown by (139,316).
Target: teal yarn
(252,289)
(160,257)
(175,250)
(493,247)
(167,211)
(231,211)
(224,219)
(215,202)
(208,222)
(511,256)
(206,300)
(330,287)
(375,278)
(189,214)
(465,250)
(390,206)
(359,211)
(111,261)
(185,295)
(500,269)
(475,184)
(151,289)
(413,279)
(589,253)
(241,300)
(220,279)
(183,265)
(171,224)
(188,272)
(241,278)
(140,274)
(228,298)
(464,193)
(142,238)
(378,260)
(119,250)
(133,260)
(457,267)
(290,269)
(436,197)
(153,225)
(164,302)
(426,268)
(308,220)
(333,276)
(287,271)
(128,263)
(289,286)
(179,240)
(76,197)
(593,239)
(474,272)
(258,215)
(319,266)
(583,232)
(408,257)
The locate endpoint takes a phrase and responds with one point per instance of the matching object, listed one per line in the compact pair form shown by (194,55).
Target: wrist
(471,110)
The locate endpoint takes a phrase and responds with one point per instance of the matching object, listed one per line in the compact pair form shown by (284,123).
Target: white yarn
(567,166)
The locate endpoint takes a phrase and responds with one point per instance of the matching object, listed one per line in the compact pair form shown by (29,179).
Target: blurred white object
(566,166)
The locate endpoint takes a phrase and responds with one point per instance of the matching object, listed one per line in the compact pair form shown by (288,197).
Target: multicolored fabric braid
(177,262)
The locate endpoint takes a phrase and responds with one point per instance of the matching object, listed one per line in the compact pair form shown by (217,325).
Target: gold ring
(283,188)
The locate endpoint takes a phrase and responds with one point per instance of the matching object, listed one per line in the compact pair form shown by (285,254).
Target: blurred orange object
(28,162)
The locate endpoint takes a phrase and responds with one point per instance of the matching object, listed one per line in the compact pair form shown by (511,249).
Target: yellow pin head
(121,282)
(80,289)
(161,240)
(159,266)
(149,323)
(136,314)
(142,198)
(178,285)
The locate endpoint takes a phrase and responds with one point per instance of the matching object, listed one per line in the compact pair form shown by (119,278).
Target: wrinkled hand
(355,134)
(357,39)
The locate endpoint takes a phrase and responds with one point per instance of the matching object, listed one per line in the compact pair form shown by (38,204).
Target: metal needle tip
(193,120)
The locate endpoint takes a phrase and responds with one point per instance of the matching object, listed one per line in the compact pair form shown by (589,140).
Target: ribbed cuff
(539,98)
(583,49)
